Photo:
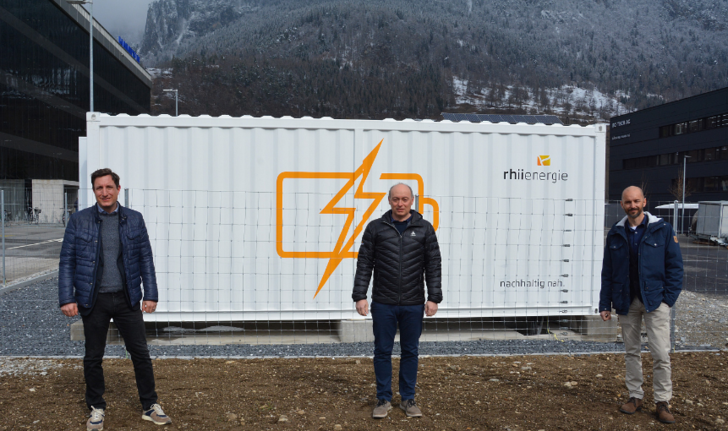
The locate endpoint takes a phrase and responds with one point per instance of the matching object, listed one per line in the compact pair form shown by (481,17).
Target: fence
(33,221)
(257,268)
(701,312)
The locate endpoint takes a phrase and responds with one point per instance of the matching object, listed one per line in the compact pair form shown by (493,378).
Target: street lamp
(176,99)
(90,48)
(682,217)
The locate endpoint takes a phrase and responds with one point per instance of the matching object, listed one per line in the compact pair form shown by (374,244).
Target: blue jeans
(386,317)
(130,324)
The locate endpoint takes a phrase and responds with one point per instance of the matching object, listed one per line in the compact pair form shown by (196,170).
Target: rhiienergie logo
(523,174)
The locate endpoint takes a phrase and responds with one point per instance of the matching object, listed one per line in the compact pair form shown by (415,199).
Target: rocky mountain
(510,54)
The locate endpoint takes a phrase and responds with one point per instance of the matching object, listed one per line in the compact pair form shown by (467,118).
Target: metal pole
(685,160)
(176,99)
(675,215)
(672,310)
(417,203)
(2,204)
(65,207)
(91,55)
(672,327)
(126,198)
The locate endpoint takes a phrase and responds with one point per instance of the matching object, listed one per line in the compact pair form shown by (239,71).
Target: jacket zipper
(401,243)
(639,255)
(127,293)
(94,284)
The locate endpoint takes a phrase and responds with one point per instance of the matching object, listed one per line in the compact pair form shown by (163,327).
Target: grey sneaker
(156,415)
(381,410)
(410,409)
(95,421)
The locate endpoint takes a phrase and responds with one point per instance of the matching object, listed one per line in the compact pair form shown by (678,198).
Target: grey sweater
(111,280)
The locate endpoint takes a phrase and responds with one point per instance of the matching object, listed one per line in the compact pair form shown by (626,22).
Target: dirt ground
(463,393)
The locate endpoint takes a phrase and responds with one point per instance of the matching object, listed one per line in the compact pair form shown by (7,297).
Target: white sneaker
(156,415)
(95,421)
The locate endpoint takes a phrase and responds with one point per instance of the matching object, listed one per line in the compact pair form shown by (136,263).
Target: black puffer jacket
(401,263)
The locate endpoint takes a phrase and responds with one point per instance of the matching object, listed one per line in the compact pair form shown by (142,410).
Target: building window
(681,128)
(722,152)
(694,156)
(712,122)
(694,126)
(706,184)
(709,154)
(666,131)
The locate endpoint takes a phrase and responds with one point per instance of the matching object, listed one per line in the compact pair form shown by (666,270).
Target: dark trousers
(386,317)
(131,327)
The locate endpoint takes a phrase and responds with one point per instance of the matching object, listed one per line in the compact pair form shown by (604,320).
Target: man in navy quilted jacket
(105,257)
(642,276)
(401,250)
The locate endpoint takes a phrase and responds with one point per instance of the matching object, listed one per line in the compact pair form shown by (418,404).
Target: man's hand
(362,307)
(606,315)
(69,310)
(430,308)
(149,306)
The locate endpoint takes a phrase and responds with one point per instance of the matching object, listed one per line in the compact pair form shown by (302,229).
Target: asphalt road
(31,249)
(706,267)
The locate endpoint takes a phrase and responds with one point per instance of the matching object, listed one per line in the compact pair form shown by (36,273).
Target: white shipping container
(261,218)
(713,219)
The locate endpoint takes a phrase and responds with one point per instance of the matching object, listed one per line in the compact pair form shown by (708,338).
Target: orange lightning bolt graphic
(341,250)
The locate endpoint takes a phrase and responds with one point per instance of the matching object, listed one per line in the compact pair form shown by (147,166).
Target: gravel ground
(32,325)
(701,320)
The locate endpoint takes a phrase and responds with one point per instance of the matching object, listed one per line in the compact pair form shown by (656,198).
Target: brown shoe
(632,406)
(663,413)
(381,410)
(410,409)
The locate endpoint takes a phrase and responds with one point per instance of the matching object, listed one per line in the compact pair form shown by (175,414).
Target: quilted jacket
(81,265)
(660,267)
(401,263)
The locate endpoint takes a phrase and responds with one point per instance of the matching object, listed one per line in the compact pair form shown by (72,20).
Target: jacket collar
(650,220)
(416,217)
(119,209)
(653,223)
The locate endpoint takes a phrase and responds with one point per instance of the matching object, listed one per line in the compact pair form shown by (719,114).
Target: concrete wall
(14,198)
(48,196)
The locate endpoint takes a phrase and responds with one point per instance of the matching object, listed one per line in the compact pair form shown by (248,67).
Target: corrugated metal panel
(237,210)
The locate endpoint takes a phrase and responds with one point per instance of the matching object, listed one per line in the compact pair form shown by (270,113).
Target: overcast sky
(122,18)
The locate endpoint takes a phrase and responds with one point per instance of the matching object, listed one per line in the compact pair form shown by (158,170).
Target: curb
(485,355)
(28,282)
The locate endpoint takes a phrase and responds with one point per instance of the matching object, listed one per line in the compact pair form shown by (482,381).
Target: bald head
(633,203)
(632,192)
(401,199)
(401,187)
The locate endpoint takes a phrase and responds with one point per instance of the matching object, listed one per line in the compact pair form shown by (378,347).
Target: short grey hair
(389,196)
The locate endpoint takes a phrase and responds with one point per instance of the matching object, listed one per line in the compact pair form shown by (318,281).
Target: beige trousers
(658,338)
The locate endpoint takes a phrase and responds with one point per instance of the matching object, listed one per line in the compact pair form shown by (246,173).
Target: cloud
(122,18)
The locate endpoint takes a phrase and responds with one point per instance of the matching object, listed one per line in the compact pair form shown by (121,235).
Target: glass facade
(44,89)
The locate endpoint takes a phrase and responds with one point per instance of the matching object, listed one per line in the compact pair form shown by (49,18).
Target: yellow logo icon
(543,160)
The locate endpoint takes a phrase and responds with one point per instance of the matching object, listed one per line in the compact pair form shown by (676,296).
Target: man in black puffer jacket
(401,248)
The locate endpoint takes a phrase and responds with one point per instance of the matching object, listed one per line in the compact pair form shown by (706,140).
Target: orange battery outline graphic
(343,247)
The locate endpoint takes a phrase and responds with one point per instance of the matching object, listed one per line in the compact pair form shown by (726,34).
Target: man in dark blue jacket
(642,276)
(105,256)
